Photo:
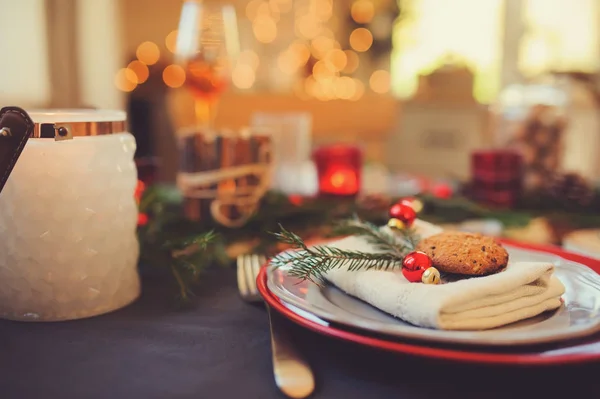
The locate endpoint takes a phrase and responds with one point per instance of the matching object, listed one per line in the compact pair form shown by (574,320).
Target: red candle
(338,169)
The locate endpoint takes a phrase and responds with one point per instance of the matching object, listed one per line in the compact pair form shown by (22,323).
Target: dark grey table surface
(219,348)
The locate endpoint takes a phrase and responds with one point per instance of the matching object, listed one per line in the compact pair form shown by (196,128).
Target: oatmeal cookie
(464,253)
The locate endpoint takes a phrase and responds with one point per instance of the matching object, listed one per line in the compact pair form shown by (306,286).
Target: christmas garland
(170,242)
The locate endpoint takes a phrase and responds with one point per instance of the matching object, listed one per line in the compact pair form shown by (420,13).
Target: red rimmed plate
(569,351)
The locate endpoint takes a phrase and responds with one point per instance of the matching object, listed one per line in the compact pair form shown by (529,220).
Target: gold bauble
(431,276)
(417,205)
(397,224)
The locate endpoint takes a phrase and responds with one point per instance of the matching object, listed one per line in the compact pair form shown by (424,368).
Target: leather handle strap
(16,127)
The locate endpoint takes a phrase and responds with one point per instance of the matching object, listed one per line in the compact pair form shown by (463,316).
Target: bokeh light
(283,6)
(345,88)
(249,57)
(321,45)
(380,81)
(323,71)
(362,11)
(337,58)
(286,62)
(171,41)
(352,62)
(148,53)
(265,29)
(308,26)
(310,86)
(174,76)
(252,9)
(359,90)
(126,80)
(361,39)
(140,69)
(300,51)
(264,10)
(243,76)
(322,9)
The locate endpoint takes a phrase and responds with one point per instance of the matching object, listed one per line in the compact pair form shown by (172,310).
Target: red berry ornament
(404,213)
(414,265)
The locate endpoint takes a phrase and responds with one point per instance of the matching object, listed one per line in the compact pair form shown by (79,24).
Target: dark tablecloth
(220,348)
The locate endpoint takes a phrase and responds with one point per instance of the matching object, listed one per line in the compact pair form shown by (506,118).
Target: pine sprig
(382,240)
(187,259)
(312,263)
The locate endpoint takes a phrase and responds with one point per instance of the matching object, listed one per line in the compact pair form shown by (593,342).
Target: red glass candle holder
(497,177)
(339,170)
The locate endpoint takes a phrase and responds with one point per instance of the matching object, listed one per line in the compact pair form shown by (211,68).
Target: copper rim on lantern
(68,123)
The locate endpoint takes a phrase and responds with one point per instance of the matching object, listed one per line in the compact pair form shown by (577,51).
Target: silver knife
(292,373)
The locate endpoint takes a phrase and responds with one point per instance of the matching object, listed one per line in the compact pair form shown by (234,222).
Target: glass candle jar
(497,176)
(531,119)
(339,170)
(68,217)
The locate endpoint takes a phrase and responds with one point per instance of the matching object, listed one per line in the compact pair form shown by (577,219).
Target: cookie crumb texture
(465,253)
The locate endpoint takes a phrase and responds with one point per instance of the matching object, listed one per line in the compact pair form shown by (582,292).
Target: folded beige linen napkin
(522,290)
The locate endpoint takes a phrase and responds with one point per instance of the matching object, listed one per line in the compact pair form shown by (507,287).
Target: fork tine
(256,264)
(241,277)
(250,277)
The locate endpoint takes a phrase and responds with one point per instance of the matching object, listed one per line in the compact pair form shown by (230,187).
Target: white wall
(100,53)
(24,70)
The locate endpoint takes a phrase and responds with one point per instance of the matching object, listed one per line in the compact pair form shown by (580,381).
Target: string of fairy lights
(317,59)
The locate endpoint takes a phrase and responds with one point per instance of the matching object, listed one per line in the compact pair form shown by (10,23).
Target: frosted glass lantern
(68,219)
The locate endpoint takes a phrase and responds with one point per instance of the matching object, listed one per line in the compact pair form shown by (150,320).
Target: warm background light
(252,9)
(140,69)
(148,53)
(560,34)
(337,58)
(308,27)
(265,29)
(321,45)
(380,81)
(359,90)
(249,57)
(345,88)
(322,9)
(284,6)
(323,70)
(352,62)
(243,76)
(301,52)
(126,80)
(287,62)
(361,39)
(174,76)
(362,11)
(171,41)
(438,29)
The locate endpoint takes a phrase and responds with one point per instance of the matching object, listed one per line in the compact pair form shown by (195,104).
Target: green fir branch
(399,242)
(312,263)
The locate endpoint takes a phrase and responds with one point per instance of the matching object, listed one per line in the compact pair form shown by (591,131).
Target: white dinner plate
(578,316)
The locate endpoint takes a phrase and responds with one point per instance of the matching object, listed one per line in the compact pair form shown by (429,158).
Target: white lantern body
(68,219)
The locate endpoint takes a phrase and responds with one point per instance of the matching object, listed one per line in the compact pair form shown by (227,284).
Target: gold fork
(292,373)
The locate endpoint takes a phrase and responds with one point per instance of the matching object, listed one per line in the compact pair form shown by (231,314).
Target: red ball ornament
(414,265)
(403,212)
(442,191)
